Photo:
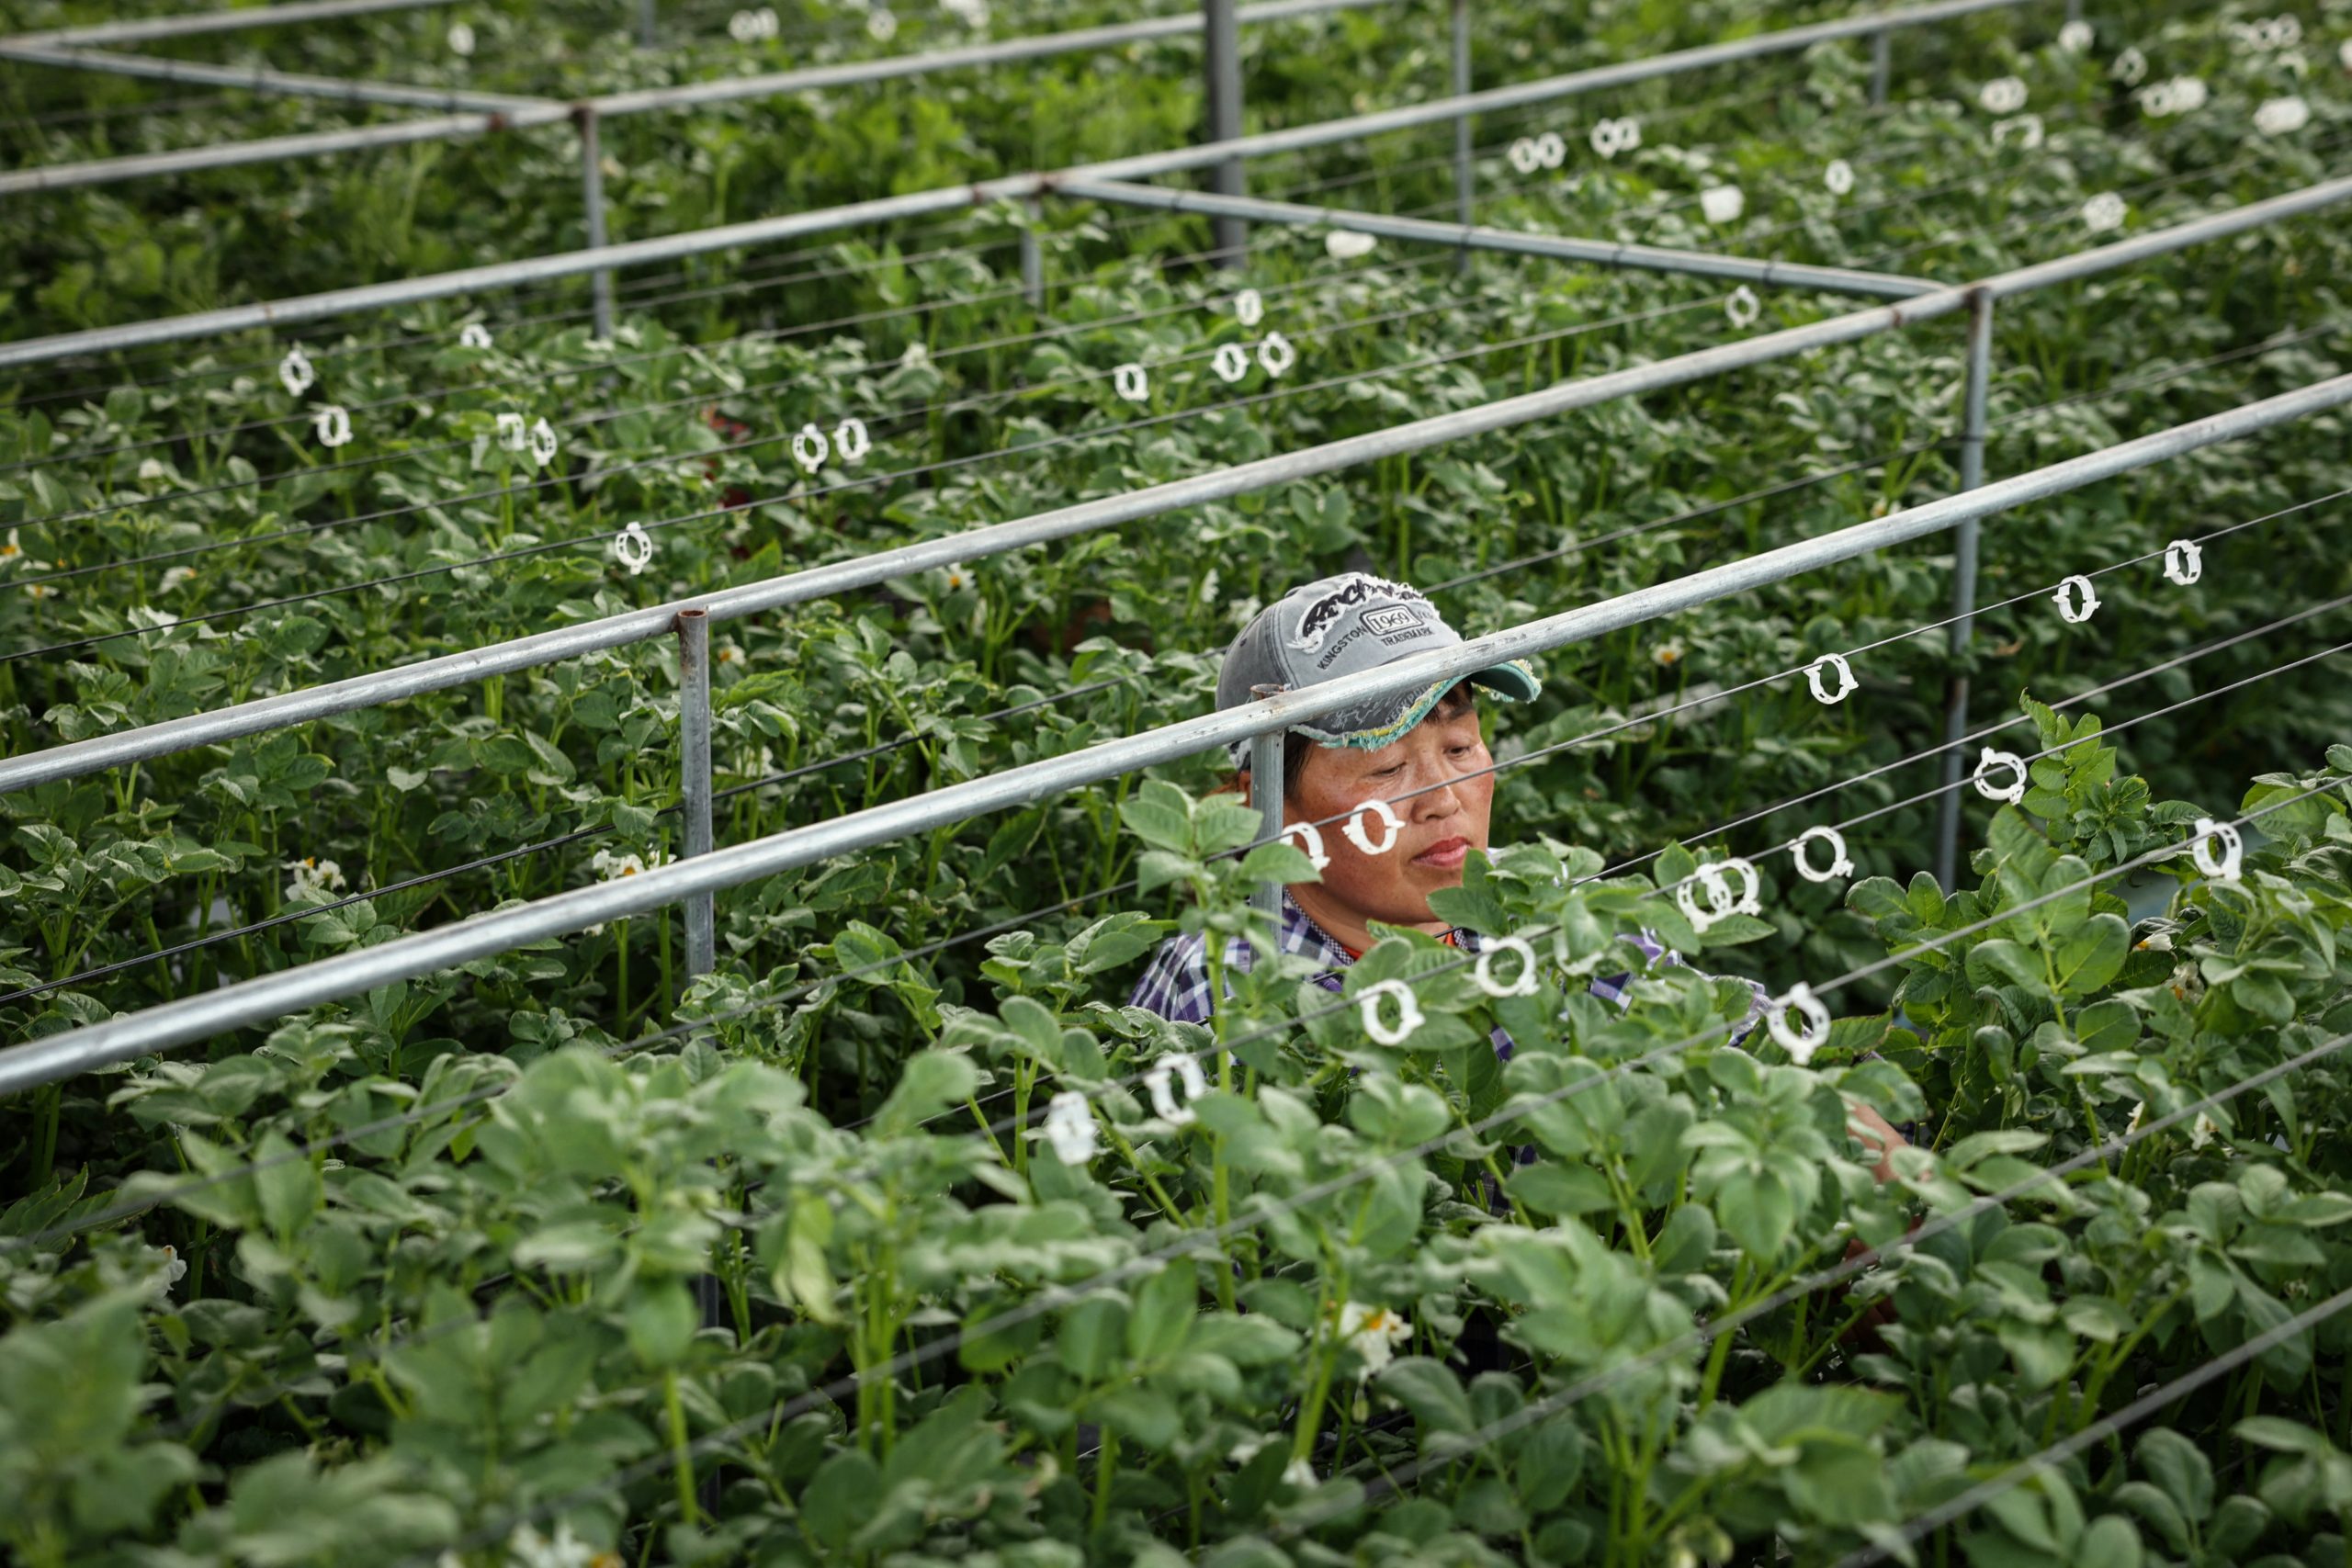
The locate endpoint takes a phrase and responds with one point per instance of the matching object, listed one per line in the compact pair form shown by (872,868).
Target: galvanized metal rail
(254,1001)
(147,29)
(531,113)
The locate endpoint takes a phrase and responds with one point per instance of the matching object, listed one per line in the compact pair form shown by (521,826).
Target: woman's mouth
(1446,854)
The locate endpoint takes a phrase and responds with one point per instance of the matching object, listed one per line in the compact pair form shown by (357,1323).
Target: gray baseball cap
(1345,626)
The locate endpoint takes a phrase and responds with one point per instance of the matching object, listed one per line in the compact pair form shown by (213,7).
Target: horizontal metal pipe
(274,995)
(223,155)
(1549,89)
(1078,40)
(78,757)
(260,79)
(269,149)
(1605,253)
(145,30)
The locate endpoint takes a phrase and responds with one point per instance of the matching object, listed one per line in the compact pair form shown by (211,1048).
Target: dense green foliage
(403,1329)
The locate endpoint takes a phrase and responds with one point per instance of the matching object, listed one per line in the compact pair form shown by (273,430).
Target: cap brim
(1371,727)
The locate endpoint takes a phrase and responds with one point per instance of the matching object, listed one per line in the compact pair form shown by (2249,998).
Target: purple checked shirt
(1176,984)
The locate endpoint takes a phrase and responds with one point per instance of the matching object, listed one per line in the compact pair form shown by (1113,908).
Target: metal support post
(1882,63)
(1465,186)
(2073,10)
(1266,790)
(694,805)
(1964,585)
(1223,35)
(645,9)
(1033,259)
(592,198)
(693,779)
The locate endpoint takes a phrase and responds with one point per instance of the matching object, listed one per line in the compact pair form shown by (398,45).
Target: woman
(1421,751)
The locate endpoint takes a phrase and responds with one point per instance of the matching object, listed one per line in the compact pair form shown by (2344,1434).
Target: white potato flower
(1373,1333)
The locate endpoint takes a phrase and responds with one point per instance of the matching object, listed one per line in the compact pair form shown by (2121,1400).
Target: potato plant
(566,1258)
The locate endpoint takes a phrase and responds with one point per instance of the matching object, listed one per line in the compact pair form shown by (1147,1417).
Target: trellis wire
(808,494)
(723,394)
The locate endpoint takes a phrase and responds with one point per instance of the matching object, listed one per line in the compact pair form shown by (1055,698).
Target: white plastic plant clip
(334,426)
(2217,850)
(2104,212)
(1230,362)
(296,373)
(633,547)
(1408,1012)
(1310,838)
(1817,675)
(1131,383)
(1249,307)
(1522,982)
(2183,562)
(1839,175)
(1723,204)
(1353,827)
(2075,37)
(1522,155)
(2026,130)
(1715,878)
(2077,599)
(1275,354)
(2002,94)
(1069,1127)
(809,448)
(1841,864)
(1346,245)
(851,443)
(1741,307)
(461,41)
(2282,116)
(1799,1043)
(1992,762)
(473,334)
(2182,94)
(543,442)
(1611,137)
(2130,67)
(513,434)
(1158,1080)
(881,25)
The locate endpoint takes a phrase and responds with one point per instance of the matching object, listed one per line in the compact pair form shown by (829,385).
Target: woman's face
(1446,815)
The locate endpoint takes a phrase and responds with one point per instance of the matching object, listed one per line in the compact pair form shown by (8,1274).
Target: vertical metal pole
(1224,84)
(694,780)
(1033,260)
(2073,10)
(645,23)
(1882,62)
(1266,793)
(1464,187)
(1964,586)
(592,198)
(694,805)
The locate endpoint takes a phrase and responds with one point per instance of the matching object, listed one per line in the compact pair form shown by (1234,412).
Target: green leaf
(1430,1392)
(2091,954)
(1163,1313)
(1091,1336)
(1161,816)
(662,1320)
(288,1188)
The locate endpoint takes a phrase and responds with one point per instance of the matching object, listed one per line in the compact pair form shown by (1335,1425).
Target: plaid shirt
(1176,984)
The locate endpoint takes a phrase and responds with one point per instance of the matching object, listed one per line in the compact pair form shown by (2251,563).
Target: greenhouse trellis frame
(1225,154)
(689,620)
(270,996)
